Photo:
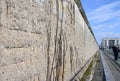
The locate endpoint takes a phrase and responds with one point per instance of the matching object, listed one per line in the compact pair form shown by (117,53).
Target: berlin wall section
(43,40)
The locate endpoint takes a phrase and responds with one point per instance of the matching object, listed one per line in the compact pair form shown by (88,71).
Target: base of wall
(87,71)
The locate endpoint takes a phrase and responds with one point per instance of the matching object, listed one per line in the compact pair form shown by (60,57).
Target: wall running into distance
(43,40)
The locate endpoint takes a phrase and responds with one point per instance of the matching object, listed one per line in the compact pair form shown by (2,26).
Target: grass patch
(89,69)
(88,72)
(77,2)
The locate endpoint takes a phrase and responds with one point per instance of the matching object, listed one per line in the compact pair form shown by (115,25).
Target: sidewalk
(98,74)
(111,67)
(112,57)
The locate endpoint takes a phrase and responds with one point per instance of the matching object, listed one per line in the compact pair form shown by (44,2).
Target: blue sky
(104,17)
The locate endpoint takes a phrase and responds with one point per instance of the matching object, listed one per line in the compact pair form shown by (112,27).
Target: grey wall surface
(43,40)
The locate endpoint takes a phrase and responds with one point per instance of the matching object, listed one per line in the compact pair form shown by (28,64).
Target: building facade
(109,42)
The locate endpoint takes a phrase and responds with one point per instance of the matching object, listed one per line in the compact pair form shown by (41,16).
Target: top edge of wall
(81,9)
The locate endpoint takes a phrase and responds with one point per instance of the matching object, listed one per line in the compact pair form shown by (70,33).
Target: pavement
(112,57)
(98,72)
(110,66)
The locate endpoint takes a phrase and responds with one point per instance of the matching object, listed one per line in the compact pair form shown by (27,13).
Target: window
(117,42)
(111,43)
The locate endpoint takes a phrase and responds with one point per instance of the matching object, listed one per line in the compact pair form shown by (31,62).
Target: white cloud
(103,26)
(105,18)
(114,25)
(105,12)
(103,8)
(107,34)
(101,35)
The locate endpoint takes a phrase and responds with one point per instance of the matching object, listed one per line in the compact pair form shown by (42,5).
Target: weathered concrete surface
(43,40)
(98,74)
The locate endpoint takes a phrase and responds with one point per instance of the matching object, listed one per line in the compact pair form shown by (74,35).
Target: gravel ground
(98,74)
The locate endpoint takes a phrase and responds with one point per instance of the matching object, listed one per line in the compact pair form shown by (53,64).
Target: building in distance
(109,42)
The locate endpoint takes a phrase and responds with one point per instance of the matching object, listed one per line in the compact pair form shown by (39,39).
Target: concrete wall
(43,40)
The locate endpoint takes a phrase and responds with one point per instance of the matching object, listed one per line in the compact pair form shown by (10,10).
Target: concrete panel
(43,40)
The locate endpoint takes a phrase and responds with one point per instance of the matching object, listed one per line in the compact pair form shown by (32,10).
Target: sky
(104,17)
